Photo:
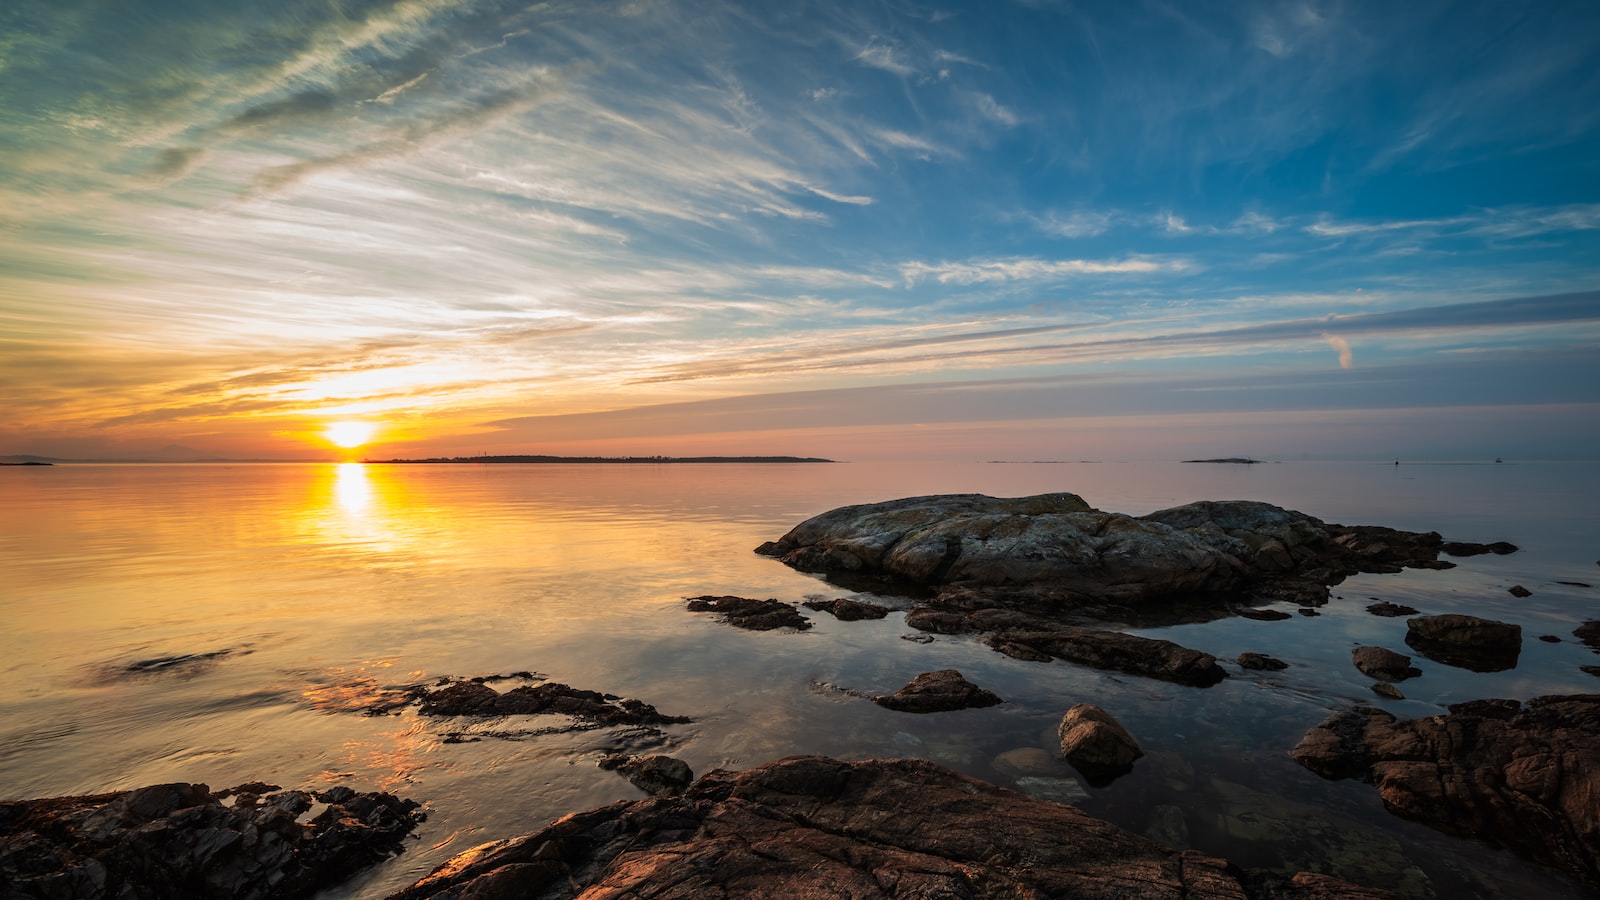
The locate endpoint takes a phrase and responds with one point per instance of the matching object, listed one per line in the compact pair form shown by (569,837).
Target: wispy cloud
(1034,269)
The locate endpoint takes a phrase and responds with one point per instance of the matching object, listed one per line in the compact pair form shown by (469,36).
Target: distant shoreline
(602,459)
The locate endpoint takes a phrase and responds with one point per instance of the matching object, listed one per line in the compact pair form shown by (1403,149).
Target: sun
(350,434)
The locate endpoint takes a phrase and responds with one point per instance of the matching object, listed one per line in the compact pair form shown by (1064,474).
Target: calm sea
(219,623)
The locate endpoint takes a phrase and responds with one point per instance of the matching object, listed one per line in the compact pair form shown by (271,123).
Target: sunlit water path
(221,623)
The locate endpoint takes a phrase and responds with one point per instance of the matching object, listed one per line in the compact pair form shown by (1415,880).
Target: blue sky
(999,230)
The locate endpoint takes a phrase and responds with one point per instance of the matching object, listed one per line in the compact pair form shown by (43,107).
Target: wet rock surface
(1096,744)
(1389,610)
(1467,642)
(182,840)
(817,827)
(1522,777)
(751,615)
(942,691)
(1055,552)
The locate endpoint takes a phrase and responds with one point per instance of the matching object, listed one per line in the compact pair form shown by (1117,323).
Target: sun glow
(350,434)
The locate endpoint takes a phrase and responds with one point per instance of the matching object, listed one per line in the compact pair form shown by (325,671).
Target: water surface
(219,623)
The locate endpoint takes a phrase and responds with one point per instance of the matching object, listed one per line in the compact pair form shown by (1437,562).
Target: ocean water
(225,623)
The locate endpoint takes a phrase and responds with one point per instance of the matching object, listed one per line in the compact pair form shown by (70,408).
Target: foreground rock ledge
(1057,548)
(814,827)
(182,840)
(1524,778)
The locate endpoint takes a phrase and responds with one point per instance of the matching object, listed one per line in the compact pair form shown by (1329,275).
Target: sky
(1017,229)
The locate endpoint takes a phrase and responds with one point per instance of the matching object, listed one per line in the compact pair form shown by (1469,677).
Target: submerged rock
(1096,744)
(1466,642)
(1391,610)
(817,827)
(1056,550)
(657,775)
(752,615)
(1522,777)
(941,691)
(181,840)
(1261,662)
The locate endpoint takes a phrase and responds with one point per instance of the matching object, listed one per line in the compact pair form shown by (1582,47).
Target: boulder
(1096,744)
(473,698)
(817,827)
(941,691)
(1383,664)
(1522,777)
(1056,547)
(182,840)
(1466,642)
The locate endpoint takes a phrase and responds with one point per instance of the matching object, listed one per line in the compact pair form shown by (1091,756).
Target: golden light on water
(350,434)
(351,487)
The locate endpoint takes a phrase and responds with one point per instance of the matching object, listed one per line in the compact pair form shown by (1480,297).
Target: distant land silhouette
(606,459)
(1238,460)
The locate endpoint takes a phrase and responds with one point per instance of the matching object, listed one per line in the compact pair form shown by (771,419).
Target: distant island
(606,459)
(31,462)
(1237,460)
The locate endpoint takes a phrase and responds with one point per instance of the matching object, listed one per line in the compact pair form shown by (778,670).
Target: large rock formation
(1056,548)
(181,840)
(1522,777)
(821,828)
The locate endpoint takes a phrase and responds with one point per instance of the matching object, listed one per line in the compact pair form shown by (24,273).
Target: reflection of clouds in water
(351,488)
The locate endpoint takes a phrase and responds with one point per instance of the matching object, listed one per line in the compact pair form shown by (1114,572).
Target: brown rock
(1517,590)
(1096,744)
(1383,664)
(815,827)
(940,691)
(658,775)
(1119,652)
(1390,610)
(1525,778)
(1467,642)
(472,698)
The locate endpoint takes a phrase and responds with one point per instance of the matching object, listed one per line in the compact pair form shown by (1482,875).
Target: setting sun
(350,434)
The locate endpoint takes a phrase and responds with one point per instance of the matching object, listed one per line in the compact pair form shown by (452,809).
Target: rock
(940,691)
(1385,689)
(657,775)
(1518,591)
(846,610)
(1549,639)
(1522,777)
(473,698)
(1465,548)
(1119,652)
(1027,761)
(1262,615)
(1590,670)
(1383,664)
(1390,610)
(1168,827)
(1466,642)
(1261,662)
(751,615)
(1096,744)
(1056,550)
(816,827)
(1589,634)
(180,840)
(1059,790)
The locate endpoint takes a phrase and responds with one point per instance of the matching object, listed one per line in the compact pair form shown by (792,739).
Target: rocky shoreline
(1038,579)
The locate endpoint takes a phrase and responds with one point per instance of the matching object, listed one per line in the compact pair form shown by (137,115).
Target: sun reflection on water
(352,488)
